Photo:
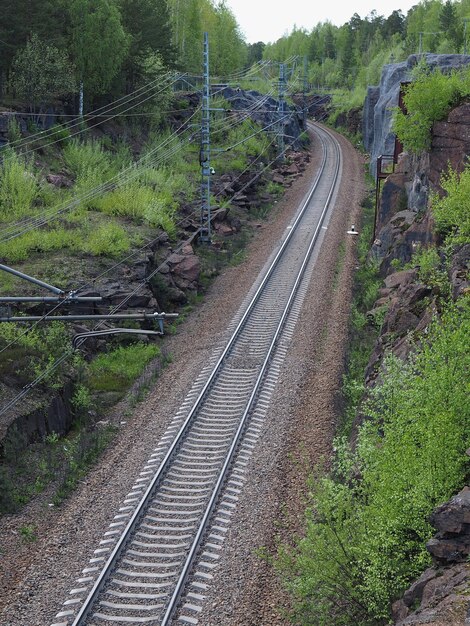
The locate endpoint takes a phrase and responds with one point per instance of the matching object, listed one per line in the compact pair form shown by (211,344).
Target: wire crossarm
(60,293)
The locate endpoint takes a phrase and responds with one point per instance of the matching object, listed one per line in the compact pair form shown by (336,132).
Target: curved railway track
(165,541)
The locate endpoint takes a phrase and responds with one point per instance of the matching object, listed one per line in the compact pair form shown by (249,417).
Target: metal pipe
(82,337)
(36,281)
(78,318)
(50,299)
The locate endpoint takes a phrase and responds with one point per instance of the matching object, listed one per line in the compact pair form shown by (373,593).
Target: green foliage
(28,533)
(14,130)
(154,198)
(147,22)
(77,454)
(131,200)
(321,571)
(18,187)
(20,248)
(88,161)
(365,538)
(57,134)
(428,98)
(81,399)
(116,370)
(29,354)
(107,239)
(56,463)
(242,144)
(452,212)
(40,73)
(98,43)
(431,270)
(363,329)
(190,19)
(102,239)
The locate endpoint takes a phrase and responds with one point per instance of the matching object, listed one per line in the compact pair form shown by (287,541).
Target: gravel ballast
(36,577)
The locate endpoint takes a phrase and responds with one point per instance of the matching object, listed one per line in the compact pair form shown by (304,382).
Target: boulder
(223,229)
(459,271)
(441,593)
(398,279)
(59,180)
(452,521)
(185,271)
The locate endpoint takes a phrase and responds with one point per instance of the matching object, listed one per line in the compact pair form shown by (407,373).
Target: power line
(51,368)
(126,175)
(63,357)
(81,129)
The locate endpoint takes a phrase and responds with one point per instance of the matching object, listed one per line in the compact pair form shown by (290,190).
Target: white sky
(268,20)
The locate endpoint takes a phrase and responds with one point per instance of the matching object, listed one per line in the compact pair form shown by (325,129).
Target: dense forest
(112,47)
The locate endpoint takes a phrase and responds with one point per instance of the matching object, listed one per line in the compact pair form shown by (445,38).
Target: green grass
(116,370)
(104,238)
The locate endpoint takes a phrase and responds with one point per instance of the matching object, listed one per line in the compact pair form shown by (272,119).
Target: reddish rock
(459,271)
(222,229)
(188,268)
(59,180)
(440,595)
(293,170)
(399,278)
(450,144)
(392,199)
(452,516)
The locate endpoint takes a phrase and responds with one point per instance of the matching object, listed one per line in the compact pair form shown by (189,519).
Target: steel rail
(177,441)
(172,605)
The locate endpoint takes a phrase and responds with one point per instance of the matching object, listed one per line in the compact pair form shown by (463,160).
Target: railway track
(157,558)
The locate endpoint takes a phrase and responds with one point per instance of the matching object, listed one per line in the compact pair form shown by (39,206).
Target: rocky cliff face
(378,106)
(442,593)
(404,222)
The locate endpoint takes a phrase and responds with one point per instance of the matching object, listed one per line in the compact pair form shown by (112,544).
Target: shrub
(18,187)
(91,165)
(452,212)
(14,131)
(29,354)
(428,99)
(141,203)
(365,538)
(106,240)
(130,200)
(83,157)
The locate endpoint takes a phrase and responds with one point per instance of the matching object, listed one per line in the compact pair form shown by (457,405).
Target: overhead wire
(89,127)
(36,222)
(52,367)
(33,222)
(76,289)
(145,246)
(47,133)
(68,353)
(124,176)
